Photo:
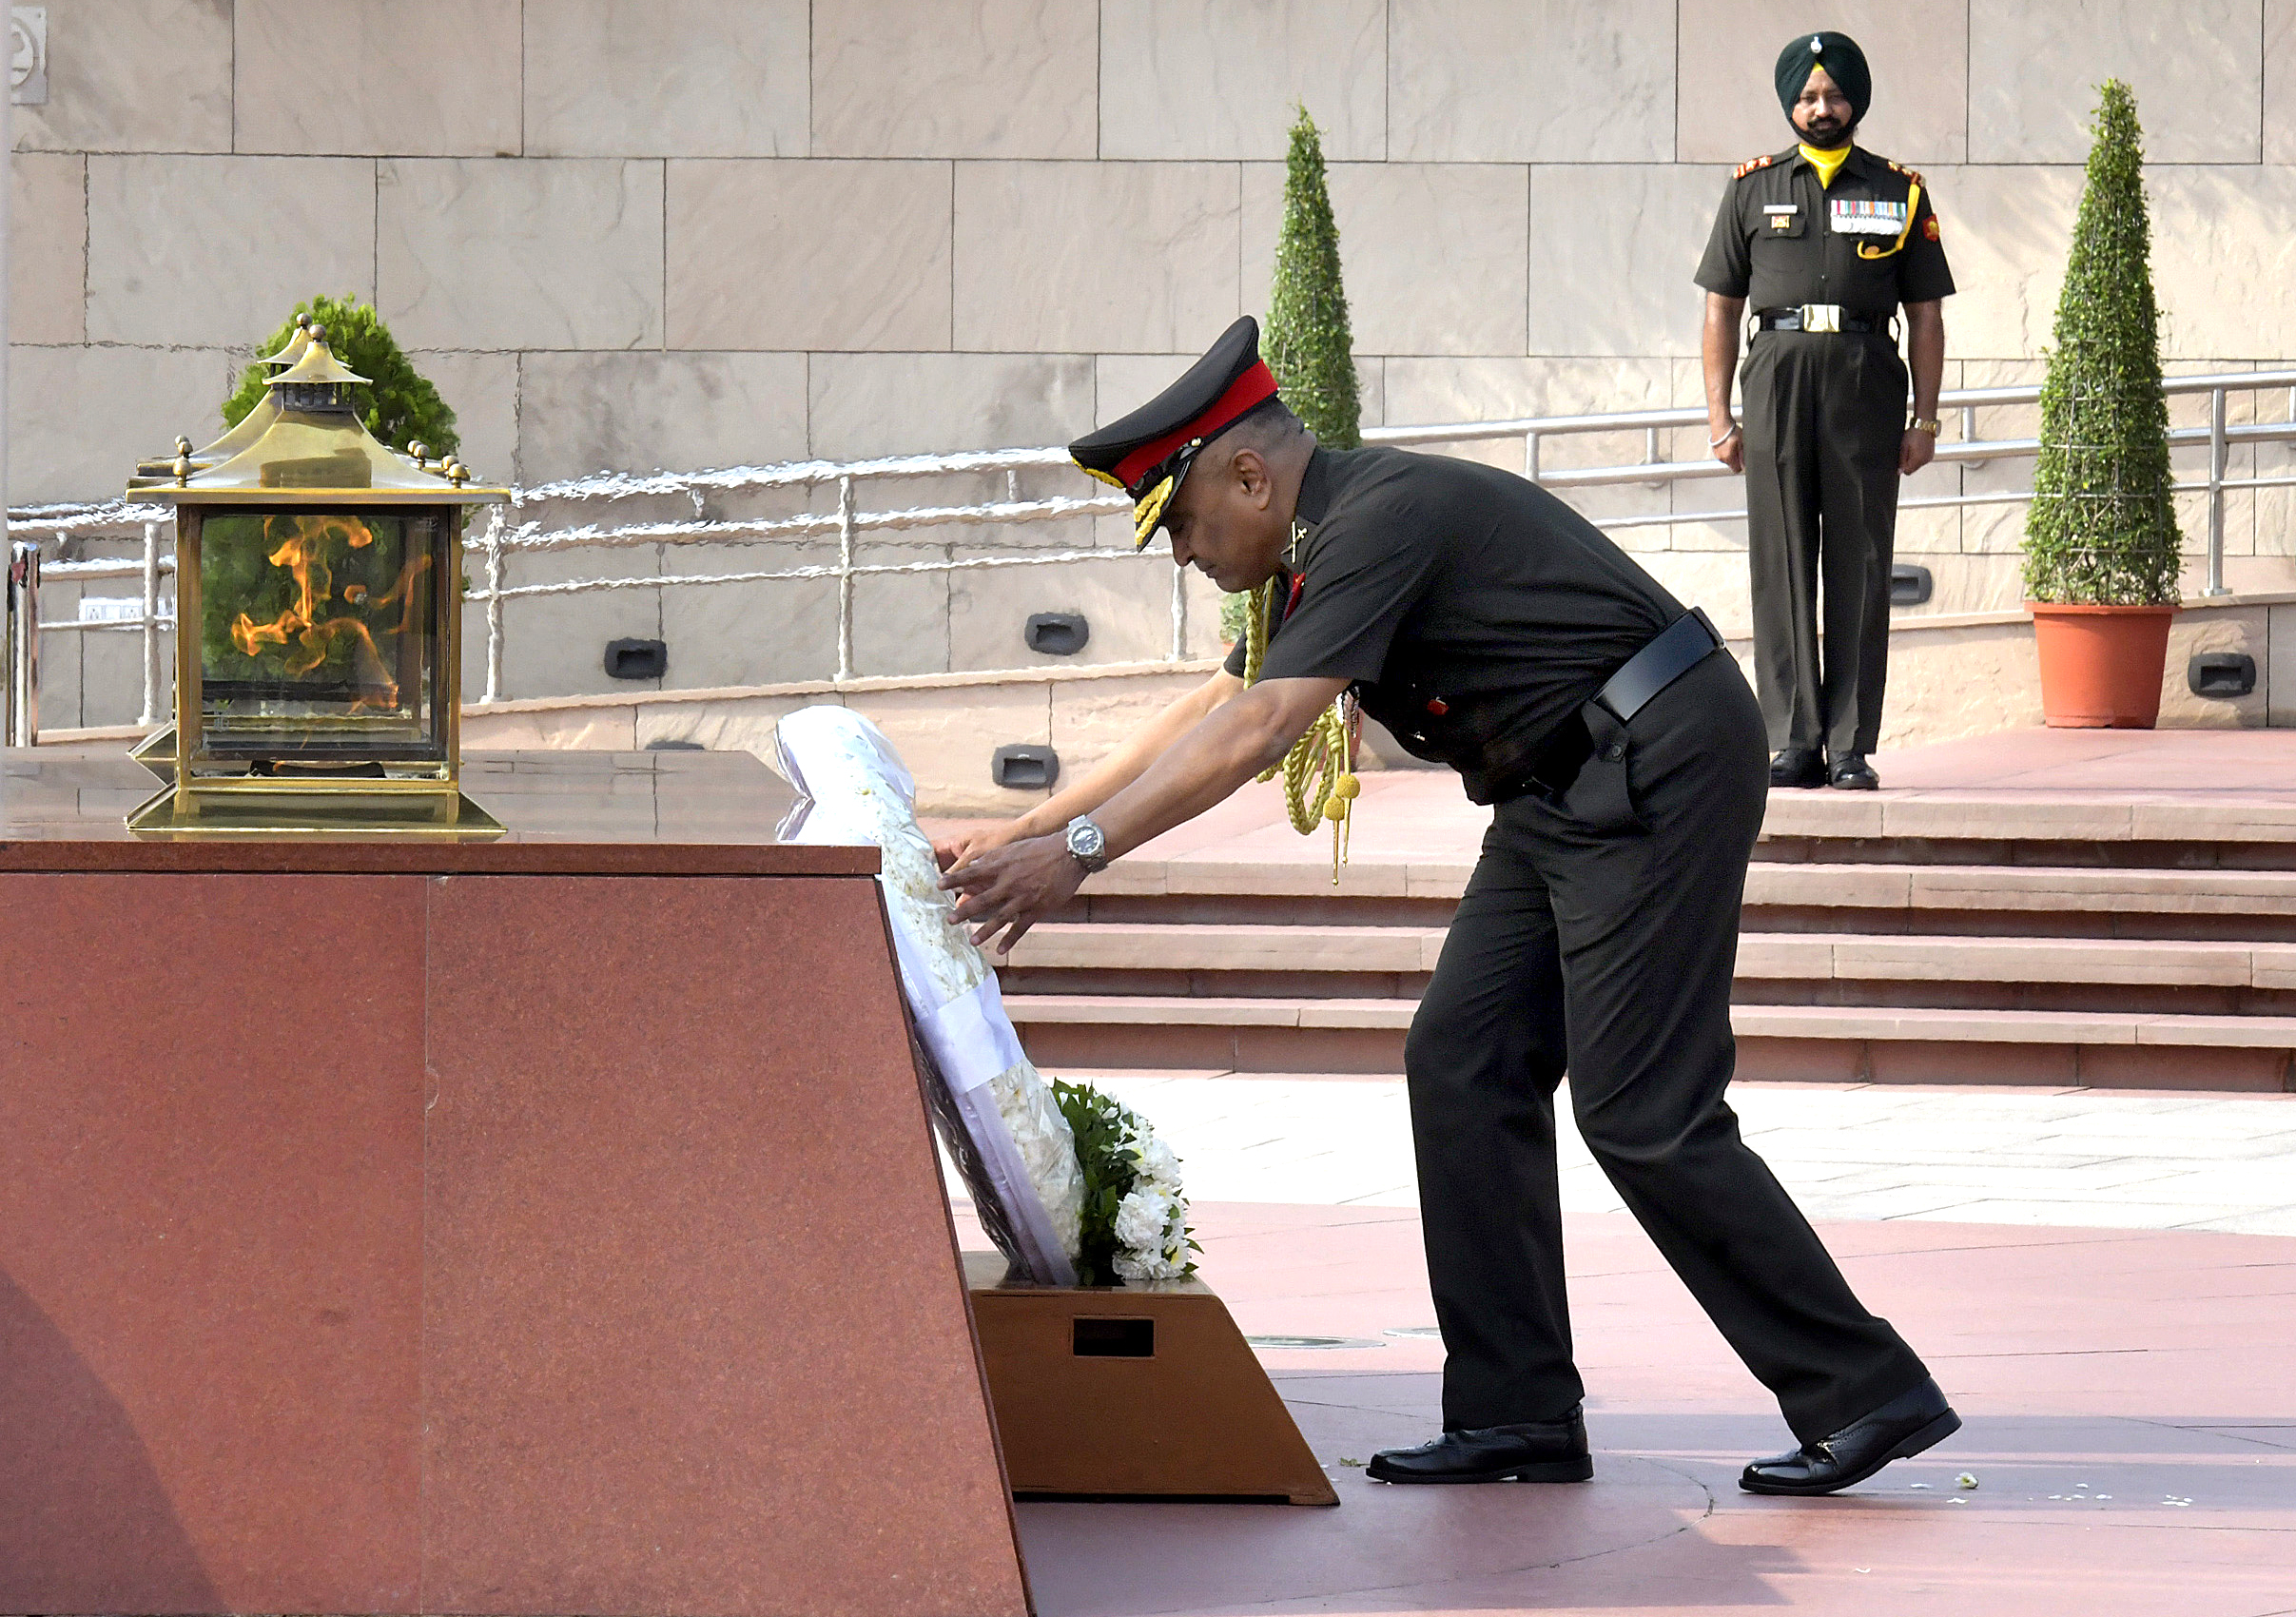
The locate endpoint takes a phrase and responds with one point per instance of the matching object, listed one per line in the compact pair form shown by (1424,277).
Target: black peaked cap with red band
(1148,453)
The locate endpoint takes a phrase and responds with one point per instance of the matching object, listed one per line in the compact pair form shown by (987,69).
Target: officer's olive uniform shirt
(1471,609)
(1781,239)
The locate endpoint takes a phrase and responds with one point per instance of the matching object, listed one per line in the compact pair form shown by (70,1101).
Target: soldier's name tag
(1781,215)
(1854,216)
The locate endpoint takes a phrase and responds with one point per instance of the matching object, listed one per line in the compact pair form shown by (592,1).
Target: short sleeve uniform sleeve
(1727,268)
(1235,663)
(1924,276)
(1362,580)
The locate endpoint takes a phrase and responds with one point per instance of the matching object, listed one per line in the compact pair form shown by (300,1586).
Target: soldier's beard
(1826,135)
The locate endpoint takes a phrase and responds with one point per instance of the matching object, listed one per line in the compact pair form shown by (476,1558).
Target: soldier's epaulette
(1912,174)
(1751,163)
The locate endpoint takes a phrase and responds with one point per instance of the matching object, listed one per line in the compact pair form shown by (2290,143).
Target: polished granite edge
(670,813)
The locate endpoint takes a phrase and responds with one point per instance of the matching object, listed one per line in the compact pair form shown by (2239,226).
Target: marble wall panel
(167,243)
(482,390)
(2006,229)
(418,78)
(555,253)
(1530,81)
(2197,67)
(2279,133)
(1612,250)
(745,724)
(1127,601)
(758,634)
(79,417)
(865,405)
(1221,78)
(946,737)
(986,78)
(1918,51)
(134,76)
(1091,718)
(581,412)
(2222,257)
(48,248)
(556,645)
(901,619)
(1434,255)
(1123,383)
(666,78)
(808,254)
(1084,258)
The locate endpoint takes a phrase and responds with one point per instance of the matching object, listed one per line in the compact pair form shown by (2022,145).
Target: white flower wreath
(1135,1218)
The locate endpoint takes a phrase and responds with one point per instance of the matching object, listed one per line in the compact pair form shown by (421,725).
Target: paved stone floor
(2127,1369)
(2102,1158)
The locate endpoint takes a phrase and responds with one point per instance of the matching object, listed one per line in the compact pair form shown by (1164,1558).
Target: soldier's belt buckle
(1821,316)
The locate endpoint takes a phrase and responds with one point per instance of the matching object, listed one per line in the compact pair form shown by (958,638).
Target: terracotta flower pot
(2101,664)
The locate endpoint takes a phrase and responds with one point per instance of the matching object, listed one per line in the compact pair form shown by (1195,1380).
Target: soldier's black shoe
(1547,1451)
(1903,1427)
(1795,767)
(1851,772)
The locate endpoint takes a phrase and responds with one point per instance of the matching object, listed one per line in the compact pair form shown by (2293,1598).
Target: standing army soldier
(1494,629)
(1825,240)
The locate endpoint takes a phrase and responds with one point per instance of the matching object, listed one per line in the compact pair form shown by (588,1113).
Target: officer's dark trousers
(1610,956)
(1825,417)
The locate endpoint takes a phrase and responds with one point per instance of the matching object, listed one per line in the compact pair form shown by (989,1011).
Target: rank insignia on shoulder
(1751,163)
(1912,174)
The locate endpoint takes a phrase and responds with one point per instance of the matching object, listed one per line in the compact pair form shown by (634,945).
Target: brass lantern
(318,624)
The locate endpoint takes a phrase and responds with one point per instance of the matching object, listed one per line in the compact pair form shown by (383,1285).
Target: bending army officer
(1493,629)
(1825,240)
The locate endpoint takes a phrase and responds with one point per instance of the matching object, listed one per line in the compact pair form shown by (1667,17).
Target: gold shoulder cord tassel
(1319,773)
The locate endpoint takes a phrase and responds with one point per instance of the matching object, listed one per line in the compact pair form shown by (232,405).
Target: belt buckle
(1821,316)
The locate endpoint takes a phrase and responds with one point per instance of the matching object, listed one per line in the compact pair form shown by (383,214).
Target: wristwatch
(1087,844)
(1918,425)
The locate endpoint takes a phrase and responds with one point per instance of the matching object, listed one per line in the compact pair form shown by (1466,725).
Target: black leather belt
(1836,319)
(1687,642)
(1681,647)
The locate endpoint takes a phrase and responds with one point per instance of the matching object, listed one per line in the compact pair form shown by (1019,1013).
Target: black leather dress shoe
(1547,1451)
(1904,1425)
(1851,772)
(1795,767)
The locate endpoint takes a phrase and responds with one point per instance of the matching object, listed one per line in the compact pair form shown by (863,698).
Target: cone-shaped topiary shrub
(398,406)
(1306,343)
(1309,346)
(2102,527)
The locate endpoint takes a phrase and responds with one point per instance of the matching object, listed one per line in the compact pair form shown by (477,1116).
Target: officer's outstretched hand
(1011,888)
(1731,452)
(1914,451)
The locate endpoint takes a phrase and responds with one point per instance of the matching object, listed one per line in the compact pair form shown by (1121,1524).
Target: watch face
(1087,839)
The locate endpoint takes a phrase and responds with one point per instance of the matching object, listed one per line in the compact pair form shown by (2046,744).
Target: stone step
(1814,885)
(1998,888)
(1790,956)
(1832,1043)
(2039,816)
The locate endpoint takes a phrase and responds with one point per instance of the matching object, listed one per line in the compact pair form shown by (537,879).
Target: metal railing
(515,531)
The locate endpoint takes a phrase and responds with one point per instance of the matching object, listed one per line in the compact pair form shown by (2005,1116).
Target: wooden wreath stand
(1139,1392)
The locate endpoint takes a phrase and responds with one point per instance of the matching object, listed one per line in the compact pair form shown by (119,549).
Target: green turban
(1837,53)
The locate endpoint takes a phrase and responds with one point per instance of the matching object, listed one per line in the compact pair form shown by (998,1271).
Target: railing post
(494,605)
(2216,494)
(23,645)
(1179,616)
(151,624)
(1530,455)
(844,577)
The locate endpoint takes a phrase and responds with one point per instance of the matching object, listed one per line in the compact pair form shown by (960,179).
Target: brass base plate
(177,811)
